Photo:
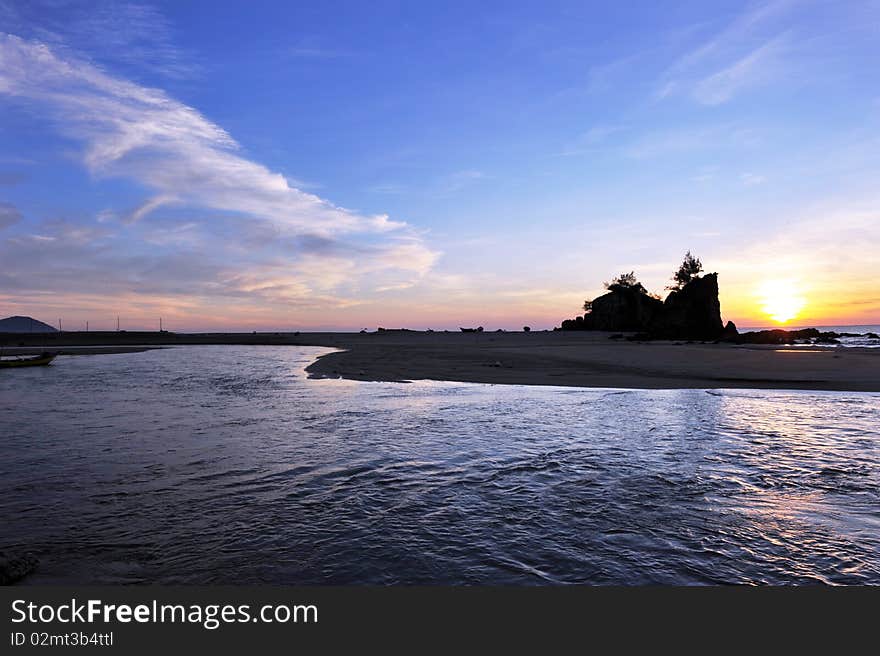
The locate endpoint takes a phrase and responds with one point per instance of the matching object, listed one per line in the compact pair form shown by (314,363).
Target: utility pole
(117,323)
(59,326)
(87,326)
(160,324)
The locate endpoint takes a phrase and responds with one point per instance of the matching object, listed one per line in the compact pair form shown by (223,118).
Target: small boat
(34,361)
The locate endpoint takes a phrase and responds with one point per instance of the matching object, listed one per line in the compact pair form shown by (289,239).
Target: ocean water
(226,464)
(863,341)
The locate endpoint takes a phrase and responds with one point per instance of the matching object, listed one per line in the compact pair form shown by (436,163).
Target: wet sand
(580,359)
(594,360)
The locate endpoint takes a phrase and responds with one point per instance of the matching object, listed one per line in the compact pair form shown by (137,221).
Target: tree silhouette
(690,268)
(626,281)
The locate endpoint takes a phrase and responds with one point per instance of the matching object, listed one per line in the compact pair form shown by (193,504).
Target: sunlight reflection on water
(225,464)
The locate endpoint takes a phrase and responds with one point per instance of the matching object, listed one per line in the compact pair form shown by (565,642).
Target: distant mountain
(24,325)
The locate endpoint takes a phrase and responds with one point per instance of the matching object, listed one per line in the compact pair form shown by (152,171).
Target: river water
(228,465)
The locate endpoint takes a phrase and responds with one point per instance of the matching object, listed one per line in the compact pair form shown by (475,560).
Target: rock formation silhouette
(691,311)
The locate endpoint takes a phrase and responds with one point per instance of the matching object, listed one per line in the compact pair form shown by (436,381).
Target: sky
(345,165)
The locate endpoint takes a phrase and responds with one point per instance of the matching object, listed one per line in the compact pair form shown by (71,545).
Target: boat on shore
(33,361)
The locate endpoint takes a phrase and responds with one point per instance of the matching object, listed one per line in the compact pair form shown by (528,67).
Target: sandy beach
(580,359)
(594,360)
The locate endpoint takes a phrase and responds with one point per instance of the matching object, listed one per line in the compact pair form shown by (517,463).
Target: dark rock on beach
(621,308)
(730,331)
(692,312)
(14,567)
(779,336)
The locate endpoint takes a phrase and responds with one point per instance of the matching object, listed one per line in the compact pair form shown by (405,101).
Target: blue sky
(274,165)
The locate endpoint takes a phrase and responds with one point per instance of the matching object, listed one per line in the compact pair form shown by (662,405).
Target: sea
(862,340)
(228,465)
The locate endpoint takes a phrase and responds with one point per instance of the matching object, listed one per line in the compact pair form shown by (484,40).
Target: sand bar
(580,359)
(593,360)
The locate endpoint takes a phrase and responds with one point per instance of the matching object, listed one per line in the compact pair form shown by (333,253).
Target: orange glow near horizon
(802,294)
(781,300)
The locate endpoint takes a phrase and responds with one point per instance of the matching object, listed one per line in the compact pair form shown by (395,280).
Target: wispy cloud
(9,214)
(752,179)
(606,76)
(391,188)
(755,68)
(127,130)
(748,52)
(705,174)
(434,186)
(306,50)
(148,206)
(717,137)
(11,178)
(459,180)
(134,34)
(591,140)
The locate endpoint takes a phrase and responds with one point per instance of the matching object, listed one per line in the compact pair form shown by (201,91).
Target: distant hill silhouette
(24,325)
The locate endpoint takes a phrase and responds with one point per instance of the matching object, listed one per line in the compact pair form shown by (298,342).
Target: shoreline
(76,350)
(618,365)
(571,359)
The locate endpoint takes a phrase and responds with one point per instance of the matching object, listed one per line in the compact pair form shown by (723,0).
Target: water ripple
(227,465)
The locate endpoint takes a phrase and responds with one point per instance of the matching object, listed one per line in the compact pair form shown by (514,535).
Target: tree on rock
(690,268)
(626,281)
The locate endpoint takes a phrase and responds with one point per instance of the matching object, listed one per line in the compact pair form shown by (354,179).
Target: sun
(781,300)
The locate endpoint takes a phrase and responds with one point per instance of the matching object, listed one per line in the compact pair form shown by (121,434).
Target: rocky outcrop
(779,336)
(15,567)
(622,309)
(692,312)
(573,324)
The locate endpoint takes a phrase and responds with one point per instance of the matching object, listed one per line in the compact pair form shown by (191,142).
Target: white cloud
(142,133)
(127,130)
(148,206)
